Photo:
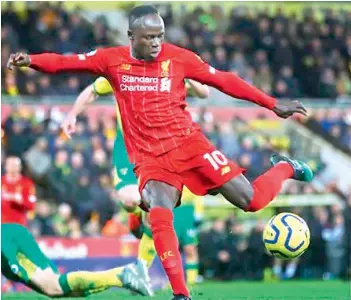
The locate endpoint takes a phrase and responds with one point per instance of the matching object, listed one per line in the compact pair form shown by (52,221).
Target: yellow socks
(88,283)
(147,251)
(192,271)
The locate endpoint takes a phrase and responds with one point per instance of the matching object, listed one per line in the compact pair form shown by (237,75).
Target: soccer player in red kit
(167,148)
(17,193)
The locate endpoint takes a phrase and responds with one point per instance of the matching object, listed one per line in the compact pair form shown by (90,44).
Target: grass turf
(292,290)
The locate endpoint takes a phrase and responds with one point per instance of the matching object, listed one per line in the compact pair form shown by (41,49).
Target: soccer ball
(286,236)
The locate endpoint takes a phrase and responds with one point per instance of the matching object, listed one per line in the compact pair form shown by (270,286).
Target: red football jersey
(17,198)
(151,94)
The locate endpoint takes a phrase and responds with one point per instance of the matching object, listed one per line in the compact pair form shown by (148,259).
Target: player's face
(13,165)
(148,37)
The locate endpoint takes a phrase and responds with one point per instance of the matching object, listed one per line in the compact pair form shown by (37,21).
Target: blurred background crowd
(284,55)
(287,56)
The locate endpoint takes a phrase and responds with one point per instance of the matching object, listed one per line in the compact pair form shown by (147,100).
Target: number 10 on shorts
(216,159)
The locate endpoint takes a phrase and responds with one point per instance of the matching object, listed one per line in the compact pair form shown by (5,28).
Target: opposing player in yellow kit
(126,184)
(23,261)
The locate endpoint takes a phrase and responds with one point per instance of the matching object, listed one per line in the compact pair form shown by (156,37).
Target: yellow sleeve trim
(101,86)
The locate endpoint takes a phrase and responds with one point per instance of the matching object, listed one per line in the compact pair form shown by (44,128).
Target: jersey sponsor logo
(135,79)
(165,85)
(131,83)
(125,67)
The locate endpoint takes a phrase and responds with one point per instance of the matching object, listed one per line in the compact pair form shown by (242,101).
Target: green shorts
(123,168)
(21,255)
(184,226)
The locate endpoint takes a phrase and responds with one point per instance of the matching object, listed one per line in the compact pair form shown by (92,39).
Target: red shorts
(197,164)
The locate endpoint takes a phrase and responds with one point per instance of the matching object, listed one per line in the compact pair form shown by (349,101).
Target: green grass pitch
(299,290)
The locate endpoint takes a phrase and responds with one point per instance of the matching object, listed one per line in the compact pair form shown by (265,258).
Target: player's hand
(288,109)
(68,125)
(18,59)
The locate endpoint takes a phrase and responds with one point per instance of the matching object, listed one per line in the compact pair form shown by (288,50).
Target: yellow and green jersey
(124,174)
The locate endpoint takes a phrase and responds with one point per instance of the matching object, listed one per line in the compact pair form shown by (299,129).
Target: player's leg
(161,198)
(208,171)
(140,227)
(255,196)
(191,263)
(133,277)
(30,265)
(147,251)
(22,260)
(184,224)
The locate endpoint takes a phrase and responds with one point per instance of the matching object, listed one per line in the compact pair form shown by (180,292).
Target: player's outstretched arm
(234,86)
(201,90)
(94,61)
(101,86)
(84,98)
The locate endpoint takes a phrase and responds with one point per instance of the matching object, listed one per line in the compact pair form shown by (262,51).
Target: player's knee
(129,195)
(160,194)
(52,290)
(162,203)
(48,282)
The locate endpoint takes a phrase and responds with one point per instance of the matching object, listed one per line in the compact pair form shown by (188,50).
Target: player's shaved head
(146,32)
(138,12)
(148,21)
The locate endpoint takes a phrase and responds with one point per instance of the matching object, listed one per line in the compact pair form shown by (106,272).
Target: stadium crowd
(287,56)
(284,56)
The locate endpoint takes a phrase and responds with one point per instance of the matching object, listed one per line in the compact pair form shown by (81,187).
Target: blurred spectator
(74,228)
(82,198)
(220,60)
(18,140)
(281,90)
(59,179)
(335,249)
(286,75)
(114,227)
(61,220)
(43,219)
(100,164)
(65,44)
(255,252)
(213,257)
(45,88)
(239,64)
(327,87)
(38,161)
(72,87)
(315,257)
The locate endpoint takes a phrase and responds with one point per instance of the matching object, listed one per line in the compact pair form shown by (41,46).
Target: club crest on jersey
(125,67)
(165,68)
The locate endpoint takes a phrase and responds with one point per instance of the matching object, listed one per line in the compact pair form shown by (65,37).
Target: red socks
(167,247)
(268,185)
